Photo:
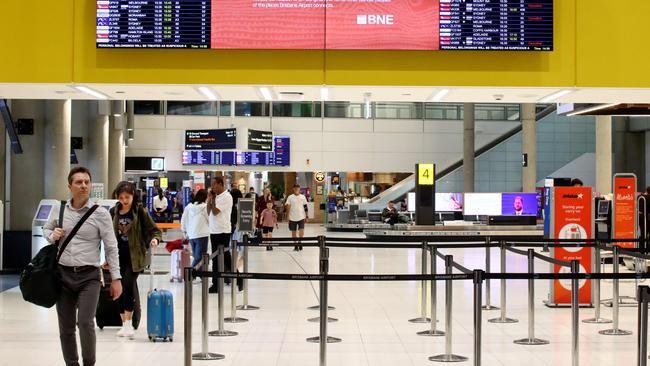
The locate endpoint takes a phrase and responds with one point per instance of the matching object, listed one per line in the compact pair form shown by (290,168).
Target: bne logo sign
(373,19)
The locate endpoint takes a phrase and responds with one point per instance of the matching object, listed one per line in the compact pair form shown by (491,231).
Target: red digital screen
(326,24)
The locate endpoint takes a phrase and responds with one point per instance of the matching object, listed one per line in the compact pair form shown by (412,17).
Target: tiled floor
(372,320)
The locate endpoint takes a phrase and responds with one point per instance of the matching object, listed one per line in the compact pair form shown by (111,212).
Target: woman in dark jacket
(136,232)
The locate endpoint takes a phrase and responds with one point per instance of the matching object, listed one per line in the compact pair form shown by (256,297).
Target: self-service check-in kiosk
(43,212)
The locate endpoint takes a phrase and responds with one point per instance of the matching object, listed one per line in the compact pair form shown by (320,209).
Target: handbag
(39,281)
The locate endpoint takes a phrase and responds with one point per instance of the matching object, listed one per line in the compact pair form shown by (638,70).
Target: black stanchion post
(221,332)
(597,319)
(615,300)
(642,294)
(503,318)
(487,305)
(432,331)
(423,289)
(323,338)
(321,244)
(187,311)
(205,355)
(245,305)
(478,279)
(575,315)
(233,318)
(449,294)
(531,340)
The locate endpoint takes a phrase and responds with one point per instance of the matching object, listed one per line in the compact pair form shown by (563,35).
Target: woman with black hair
(136,232)
(194,224)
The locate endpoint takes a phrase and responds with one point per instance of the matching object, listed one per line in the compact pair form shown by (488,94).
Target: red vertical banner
(624,213)
(572,219)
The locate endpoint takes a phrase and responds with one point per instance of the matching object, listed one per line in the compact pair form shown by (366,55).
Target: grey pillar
(58,125)
(115,153)
(604,154)
(98,146)
(620,149)
(529,147)
(468,147)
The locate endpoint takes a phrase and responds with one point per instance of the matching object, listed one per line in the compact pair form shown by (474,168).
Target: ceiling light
(440,95)
(208,93)
(87,90)
(324,93)
(556,95)
(593,109)
(266,93)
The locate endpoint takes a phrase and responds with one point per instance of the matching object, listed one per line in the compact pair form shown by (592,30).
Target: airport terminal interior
(324,182)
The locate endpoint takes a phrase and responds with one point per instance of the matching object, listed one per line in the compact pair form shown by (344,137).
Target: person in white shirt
(194,224)
(219,208)
(296,206)
(159,203)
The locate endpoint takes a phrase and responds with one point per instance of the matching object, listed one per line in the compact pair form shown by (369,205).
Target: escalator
(400,190)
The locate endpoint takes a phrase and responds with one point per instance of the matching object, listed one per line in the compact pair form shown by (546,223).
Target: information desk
(457,233)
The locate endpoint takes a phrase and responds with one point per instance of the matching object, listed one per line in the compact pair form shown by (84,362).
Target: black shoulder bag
(39,281)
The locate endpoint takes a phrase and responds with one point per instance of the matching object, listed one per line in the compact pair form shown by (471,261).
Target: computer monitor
(362,214)
(603,208)
(482,204)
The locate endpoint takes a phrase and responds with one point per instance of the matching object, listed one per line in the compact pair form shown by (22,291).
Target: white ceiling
(313,93)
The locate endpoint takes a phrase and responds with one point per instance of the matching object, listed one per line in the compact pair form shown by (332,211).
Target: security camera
(498,97)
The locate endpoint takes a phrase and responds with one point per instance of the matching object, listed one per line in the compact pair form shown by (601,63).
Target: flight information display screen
(279,157)
(325,24)
(222,139)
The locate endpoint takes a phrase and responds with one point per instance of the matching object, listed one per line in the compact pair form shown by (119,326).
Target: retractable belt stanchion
(487,305)
(321,242)
(575,313)
(323,338)
(233,318)
(244,305)
(205,355)
(531,340)
(503,318)
(642,297)
(433,332)
(597,319)
(449,294)
(423,290)
(478,279)
(187,312)
(221,332)
(615,300)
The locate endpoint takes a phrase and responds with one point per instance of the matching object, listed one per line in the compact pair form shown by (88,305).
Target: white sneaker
(120,333)
(129,332)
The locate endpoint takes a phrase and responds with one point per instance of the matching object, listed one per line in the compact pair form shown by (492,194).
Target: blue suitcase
(160,315)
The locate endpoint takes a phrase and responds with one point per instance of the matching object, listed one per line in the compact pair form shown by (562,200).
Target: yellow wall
(36,41)
(54,41)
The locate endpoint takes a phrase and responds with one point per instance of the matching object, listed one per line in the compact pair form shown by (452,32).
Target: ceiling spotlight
(556,95)
(324,93)
(266,93)
(440,95)
(208,93)
(87,90)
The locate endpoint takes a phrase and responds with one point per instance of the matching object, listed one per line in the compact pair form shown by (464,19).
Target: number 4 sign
(426,174)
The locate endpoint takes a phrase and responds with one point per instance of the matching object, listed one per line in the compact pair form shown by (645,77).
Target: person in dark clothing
(389,214)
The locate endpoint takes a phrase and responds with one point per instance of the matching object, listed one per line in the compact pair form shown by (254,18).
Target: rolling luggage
(160,314)
(181,258)
(108,310)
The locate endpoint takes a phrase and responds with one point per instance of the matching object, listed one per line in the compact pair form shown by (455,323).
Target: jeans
(199,247)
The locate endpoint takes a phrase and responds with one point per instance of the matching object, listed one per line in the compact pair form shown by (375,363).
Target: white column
(604,154)
(529,147)
(98,146)
(468,147)
(116,153)
(57,148)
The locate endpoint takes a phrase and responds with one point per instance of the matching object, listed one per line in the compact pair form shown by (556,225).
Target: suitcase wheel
(171,339)
(101,327)
(152,339)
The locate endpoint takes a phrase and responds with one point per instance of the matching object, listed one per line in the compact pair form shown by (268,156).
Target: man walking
(79,268)
(219,210)
(296,206)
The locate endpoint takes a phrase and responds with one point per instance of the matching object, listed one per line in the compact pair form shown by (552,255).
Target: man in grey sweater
(79,268)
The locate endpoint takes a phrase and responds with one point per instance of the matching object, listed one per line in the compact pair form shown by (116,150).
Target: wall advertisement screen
(326,24)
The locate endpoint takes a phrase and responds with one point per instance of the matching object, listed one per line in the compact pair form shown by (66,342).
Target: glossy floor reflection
(373,319)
